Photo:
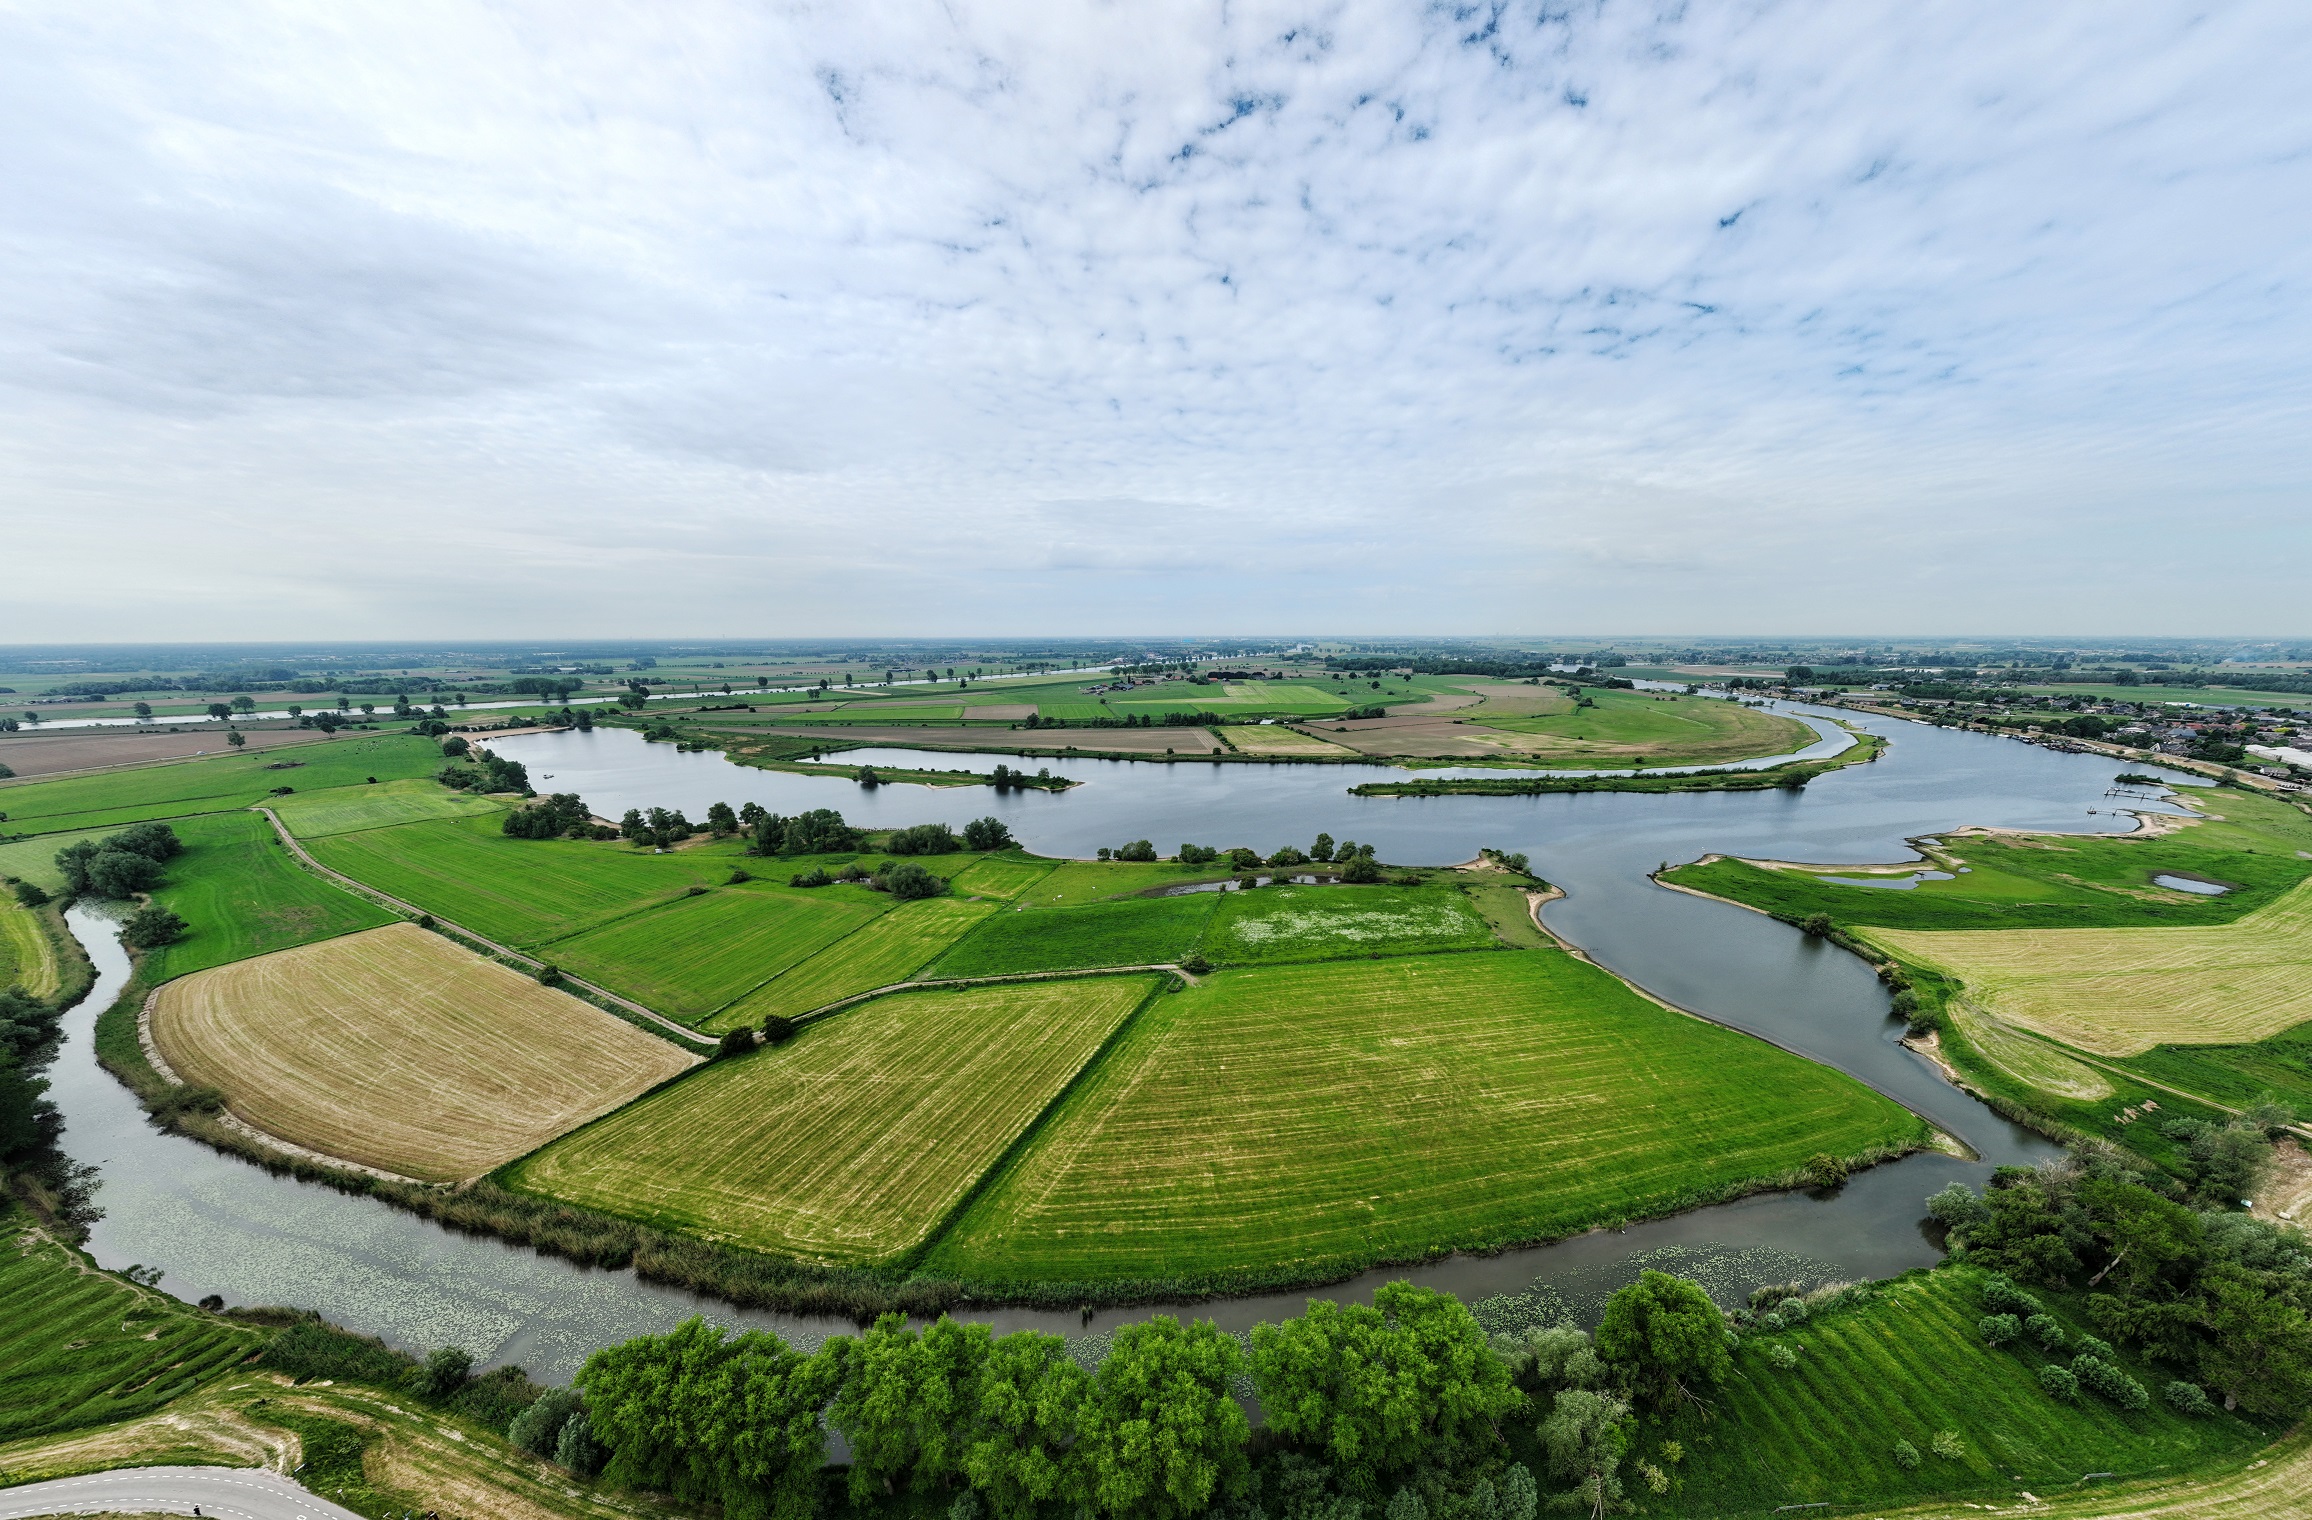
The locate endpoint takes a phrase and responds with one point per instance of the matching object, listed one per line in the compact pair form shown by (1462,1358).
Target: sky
(581,319)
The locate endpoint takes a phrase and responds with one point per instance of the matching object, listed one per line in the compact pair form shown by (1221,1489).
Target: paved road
(229,1493)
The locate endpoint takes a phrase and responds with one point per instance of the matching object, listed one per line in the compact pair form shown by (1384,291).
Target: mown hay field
(995,876)
(1276,739)
(1904,1366)
(209,785)
(28,957)
(2120,992)
(348,809)
(1286,1121)
(399,1049)
(520,891)
(1301,923)
(241,893)
(891,949)
(1139,931)
(693,955)
(81,1348)
(850,1143)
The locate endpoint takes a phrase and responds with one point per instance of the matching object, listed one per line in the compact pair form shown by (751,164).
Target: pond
(215,1224)
(2190,884)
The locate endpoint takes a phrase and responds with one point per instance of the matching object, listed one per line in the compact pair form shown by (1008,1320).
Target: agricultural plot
(1301,1120)
(995,876)
(520,891)
(2238,1075)
(695,954)
(399,1049)
(241,894)
(891,949)
(1139,931)
(1628,726)
(348,809)
(1073,712)
(851,1143)
(1904,1367)
(28,958)
(1083,881)
(1300,923)
(1276,739)
(81,1348)
(209,785)
(2122,991)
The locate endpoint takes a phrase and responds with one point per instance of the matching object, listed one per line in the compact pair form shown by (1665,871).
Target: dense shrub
(538,1429)
(313,1349)
(1999,1329)
(151,927)
(2002,1297)
(1361,871)
(815,877)
(2109,1381)
(923,839)
(1948,1446)
(735,1042)
(1782,1355)
(778,1029)
(1906,1455)
(2187,1398)
(2059,1383)
(2047,1331)
(908,881)
(1197,855)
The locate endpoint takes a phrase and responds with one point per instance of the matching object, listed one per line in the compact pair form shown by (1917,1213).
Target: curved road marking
(228,1493)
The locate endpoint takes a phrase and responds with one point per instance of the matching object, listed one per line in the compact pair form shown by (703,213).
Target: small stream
(216,1224)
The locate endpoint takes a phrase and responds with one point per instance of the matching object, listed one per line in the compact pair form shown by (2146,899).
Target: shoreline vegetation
(1791,775)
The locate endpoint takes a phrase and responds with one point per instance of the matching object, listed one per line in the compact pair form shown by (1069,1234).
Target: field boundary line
(825,1009)
(1011,1154)
(241,1126)
(682,1033)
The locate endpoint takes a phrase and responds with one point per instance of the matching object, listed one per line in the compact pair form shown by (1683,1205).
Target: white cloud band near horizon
(557,321)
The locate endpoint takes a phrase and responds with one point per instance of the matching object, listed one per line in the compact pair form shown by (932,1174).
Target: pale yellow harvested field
(2119,992)
(399,1049)
(849,1144)
(27,955)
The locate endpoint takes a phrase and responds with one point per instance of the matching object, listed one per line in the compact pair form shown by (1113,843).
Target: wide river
(215,1224)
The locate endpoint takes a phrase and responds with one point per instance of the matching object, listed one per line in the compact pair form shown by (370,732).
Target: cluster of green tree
(821,831)
(486,773)
(1004,779)
(659,828)
(1402,1408)
(1128,720)
(987,834)
(923,839)
(903,879)
(2221,1296)
(123,865)
(1138,849)
(561,815)
(30,1124)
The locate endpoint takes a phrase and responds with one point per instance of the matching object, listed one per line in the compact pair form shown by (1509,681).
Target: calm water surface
(215,1224)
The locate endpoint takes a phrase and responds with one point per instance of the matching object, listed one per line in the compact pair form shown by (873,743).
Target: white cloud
(951,318)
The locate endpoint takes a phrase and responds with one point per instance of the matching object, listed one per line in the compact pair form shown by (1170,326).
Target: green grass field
(998,877)
(1082,881)
(891,949)
(348,809)
(2237,1075)
(691,956)
(28,957)
(852,1142)
(242,894)
(1284,1122)
(34,859)
(520,891)
(80,1348)
(1902,1367)
(2056,880)
(1294,923)
(209,785)
(1139,931)
(1627,725)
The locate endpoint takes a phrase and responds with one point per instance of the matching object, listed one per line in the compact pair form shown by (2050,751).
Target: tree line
(1403,1409)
